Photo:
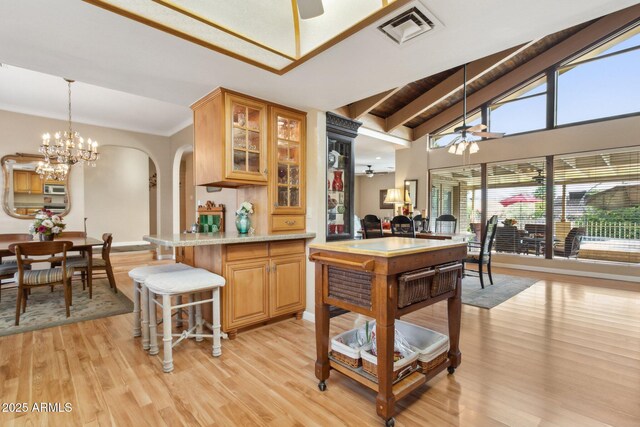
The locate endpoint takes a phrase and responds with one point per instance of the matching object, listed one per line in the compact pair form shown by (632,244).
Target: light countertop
(221,238)
(388,246)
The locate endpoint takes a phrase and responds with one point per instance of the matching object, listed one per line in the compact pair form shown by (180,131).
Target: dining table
(82,244)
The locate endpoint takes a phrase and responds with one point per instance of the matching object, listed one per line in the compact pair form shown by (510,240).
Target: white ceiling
(77,40)
(367,149)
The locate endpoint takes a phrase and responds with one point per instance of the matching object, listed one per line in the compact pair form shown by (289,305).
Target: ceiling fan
(370,173)
(539,179)
(310,8)
(460,144)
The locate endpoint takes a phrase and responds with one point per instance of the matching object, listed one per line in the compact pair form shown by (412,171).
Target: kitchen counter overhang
(221,238)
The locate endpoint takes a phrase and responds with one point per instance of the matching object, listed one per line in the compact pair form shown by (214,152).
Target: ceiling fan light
(369,174)
(453,148)
(474,148)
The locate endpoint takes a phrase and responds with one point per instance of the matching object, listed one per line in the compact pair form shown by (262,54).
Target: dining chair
(417,223)
(480,253)
(402,226)
(446,223)
(100,267)
(10,267)
(28,278)
(372,227)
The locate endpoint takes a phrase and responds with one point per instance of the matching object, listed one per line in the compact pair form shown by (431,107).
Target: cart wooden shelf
(343,270)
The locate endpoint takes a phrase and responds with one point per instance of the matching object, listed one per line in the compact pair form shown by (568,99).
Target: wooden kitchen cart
(363,276)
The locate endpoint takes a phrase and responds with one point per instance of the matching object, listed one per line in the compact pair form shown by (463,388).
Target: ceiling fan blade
(489,134)
(477,128)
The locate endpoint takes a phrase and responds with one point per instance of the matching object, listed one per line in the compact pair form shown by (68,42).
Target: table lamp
(395,196)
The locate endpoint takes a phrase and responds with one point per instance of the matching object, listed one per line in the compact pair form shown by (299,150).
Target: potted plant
(243,221)
(46,225)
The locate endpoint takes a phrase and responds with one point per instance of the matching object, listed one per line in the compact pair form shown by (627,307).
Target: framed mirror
(411,190)
(25,192)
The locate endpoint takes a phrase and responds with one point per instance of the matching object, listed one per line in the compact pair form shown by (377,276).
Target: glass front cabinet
(341,133)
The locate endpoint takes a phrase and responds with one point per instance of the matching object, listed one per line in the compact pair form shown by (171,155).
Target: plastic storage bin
(401,368)
(344,353)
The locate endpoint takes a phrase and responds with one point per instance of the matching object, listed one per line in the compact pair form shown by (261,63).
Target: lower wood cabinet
(263,280)
(269,282)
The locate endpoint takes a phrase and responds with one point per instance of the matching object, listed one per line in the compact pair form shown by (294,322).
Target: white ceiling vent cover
(408,25)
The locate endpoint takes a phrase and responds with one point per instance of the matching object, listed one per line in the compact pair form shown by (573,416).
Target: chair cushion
(82,262)
(139,274)
(10,267)
(42,277)
(178,282)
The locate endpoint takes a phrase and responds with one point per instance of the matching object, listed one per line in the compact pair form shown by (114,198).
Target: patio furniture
(480,253)
(402,226)
(371,227)
(535,228)
(508,239)
(446,223)
(571,246)
(30,278)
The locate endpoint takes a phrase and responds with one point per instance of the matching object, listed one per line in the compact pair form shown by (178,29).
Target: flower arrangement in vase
(46,225)
(243,221)
(509,221)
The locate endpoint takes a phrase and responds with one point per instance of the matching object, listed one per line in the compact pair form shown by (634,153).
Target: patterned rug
(45,309)
(503,288)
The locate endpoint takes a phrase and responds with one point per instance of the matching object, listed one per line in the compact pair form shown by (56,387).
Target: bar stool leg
(167,339)
(153,324)
(192,321)
(217,348)
(199,322)
(179,312)
(136,309)
(144,301)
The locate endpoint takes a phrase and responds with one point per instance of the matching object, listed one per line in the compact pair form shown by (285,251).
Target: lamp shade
(394,195)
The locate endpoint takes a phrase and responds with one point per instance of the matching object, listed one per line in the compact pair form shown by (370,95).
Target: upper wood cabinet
(287,161)
(27,182)
(230,140)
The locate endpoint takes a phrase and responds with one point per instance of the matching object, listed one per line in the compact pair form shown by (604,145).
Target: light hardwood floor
(564,352)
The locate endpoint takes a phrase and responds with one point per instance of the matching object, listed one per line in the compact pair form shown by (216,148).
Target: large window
(522,111)
(444,137)
(598,194)
(456,191)
(602,83)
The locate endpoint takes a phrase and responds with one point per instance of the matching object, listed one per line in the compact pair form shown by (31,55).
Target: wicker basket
(344,353)
(401,368)
(445,279)
(426,367)
(350,286)
(414,286)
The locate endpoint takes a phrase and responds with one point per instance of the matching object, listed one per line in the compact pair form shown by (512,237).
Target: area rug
(503,288)
(45,309)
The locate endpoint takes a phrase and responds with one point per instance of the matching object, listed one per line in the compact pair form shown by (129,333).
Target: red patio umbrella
(519,198)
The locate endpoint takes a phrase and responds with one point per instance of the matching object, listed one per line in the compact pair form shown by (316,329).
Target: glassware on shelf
(294,175)
(294,197)
(239,115)
(253,164)
(253,122)
(283,196)
(239,138)
(254,140)
(282,174)
(239,160)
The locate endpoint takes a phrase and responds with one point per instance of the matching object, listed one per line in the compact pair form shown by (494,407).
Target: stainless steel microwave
(53,189)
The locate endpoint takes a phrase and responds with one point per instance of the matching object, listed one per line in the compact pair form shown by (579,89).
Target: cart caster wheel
(451,369)
(322,386)
(390,422)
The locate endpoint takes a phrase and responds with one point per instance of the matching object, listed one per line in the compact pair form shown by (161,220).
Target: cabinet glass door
(248,140)
(288,154)
(339,192)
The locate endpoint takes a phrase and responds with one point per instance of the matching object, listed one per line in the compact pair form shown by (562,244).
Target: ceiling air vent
(406,26)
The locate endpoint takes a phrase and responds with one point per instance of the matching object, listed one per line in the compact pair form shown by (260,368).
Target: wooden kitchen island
(362,276)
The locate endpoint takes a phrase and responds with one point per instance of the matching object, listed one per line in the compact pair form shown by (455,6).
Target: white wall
(22,133)
(368,195)
(116,194)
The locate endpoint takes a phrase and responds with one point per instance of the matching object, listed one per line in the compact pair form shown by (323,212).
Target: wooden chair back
(16,237)
(446,223)
(488,239)
(72,234)
(107,238)
(372,227)
(23,250)
(402,226)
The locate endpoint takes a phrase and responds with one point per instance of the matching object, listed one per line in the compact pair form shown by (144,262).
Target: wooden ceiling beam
(360,108)
(582,39)
(449,86)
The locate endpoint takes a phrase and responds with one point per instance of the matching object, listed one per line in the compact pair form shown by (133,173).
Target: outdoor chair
(402,226)
(571,246)
(371,227)
(480,253)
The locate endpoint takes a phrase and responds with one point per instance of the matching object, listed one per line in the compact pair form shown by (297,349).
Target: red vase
(338,185)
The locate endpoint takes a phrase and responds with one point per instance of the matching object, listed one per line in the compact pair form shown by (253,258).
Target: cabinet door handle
(275,205)
(265,171)
(273,268)
(268,269)
(290,222)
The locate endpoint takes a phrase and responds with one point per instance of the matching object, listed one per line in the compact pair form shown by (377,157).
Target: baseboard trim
(595,274)
(309,317)
(133,243)
(161,257)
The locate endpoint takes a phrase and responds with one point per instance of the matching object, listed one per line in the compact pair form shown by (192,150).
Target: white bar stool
(141,296)
(190,282)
